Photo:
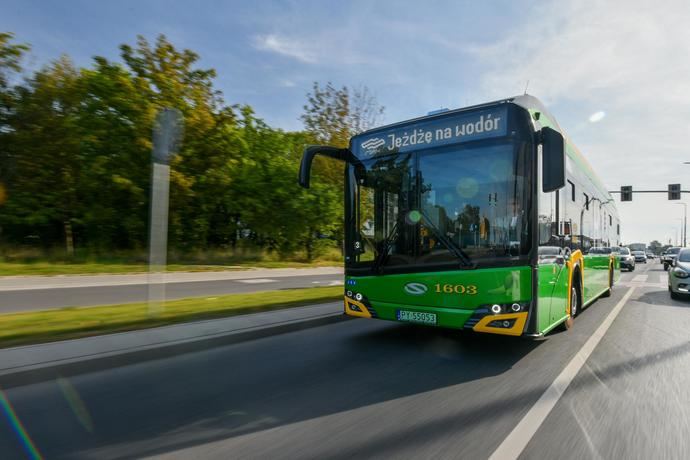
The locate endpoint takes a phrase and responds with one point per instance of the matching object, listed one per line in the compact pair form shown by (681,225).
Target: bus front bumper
(478,320)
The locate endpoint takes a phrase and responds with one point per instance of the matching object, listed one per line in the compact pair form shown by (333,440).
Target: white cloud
(597,116)
(629,57)
(286,47)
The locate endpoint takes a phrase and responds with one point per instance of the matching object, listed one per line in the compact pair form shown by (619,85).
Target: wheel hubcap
(573,303)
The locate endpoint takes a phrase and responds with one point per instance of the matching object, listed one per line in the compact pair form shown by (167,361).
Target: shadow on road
(225,405)
(662,298)
(195,399)
(168,405)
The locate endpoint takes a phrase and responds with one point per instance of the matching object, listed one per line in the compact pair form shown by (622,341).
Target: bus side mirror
(313,150)
(553,160)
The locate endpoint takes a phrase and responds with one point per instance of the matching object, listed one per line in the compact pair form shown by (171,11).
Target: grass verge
(75,322)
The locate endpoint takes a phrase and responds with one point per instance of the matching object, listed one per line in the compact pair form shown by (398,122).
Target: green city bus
(485,218)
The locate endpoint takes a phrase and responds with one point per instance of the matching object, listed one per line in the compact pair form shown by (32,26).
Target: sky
(616,74)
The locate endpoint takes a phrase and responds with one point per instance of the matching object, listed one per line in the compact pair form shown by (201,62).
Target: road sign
(674,191)
(167,136)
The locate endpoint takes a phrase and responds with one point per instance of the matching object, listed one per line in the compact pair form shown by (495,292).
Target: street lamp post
(685,223)
(679,231)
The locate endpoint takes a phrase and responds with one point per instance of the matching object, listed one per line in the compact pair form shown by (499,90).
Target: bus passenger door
(553,287)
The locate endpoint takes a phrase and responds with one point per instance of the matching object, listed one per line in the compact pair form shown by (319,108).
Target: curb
(77,366)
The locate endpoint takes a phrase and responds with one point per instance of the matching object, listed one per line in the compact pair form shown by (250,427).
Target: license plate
(416,317)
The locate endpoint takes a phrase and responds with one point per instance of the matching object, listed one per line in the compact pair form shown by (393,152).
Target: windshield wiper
(459,253)
(383,255)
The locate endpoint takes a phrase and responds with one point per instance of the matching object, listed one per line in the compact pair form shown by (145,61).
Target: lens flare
(20,431)
(500,169)
(76,403)
(467,187)
(413,217)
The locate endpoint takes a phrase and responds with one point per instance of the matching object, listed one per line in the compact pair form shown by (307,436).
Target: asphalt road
(42,299)
(374,389)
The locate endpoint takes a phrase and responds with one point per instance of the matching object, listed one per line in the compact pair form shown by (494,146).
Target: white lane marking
(335,283)
(513,445)
(640,278)
(663,278)
(256,281)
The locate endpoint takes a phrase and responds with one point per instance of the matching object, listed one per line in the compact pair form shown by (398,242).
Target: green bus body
(384,295)
(518,293)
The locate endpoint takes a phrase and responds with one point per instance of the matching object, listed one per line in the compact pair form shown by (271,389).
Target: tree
(10,60)
(332,116)
(202,172)
(75,156)
(45,151)
(10,57)
(116,151)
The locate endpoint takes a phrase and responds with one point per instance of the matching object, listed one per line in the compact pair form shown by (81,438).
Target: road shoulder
(35,363)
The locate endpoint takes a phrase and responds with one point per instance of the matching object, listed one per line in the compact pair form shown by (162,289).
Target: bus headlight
(512,307)
(358,297)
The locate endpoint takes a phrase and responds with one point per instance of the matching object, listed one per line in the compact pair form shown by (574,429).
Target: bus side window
(548,227)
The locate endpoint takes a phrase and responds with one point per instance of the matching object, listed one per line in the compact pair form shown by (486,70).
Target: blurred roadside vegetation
(76,322)
(29,261)
(75,149)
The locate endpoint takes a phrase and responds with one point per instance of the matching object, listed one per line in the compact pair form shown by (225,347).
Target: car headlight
(680,273)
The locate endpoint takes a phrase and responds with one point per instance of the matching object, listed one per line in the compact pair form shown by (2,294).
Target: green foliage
(10,57)
(70,323)
(75,160)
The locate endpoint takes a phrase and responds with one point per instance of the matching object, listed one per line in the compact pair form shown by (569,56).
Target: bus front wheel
(568,323)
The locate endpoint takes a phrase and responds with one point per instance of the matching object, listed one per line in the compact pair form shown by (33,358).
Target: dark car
(549,254)
(679,275)
(625,259)
(640,256)
(669,256)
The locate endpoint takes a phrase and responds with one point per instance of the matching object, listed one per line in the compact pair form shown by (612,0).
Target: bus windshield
(452,207)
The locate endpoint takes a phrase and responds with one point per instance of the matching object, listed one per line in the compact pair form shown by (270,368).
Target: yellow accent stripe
(364,313)
(574,257)
(521,319)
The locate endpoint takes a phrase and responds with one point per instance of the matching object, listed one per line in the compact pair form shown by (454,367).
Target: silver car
(679,275)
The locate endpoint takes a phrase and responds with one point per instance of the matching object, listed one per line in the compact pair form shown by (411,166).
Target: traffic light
(626,193)
(674,191)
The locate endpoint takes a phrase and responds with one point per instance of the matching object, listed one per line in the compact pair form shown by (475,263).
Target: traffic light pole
(674,193)
(650,191)
(685,224)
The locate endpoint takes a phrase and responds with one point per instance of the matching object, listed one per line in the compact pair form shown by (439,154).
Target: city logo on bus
(415,288)
(373,144)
